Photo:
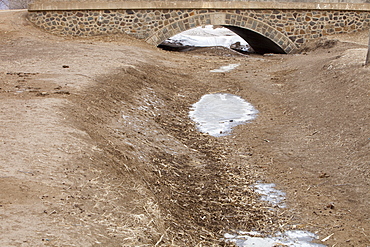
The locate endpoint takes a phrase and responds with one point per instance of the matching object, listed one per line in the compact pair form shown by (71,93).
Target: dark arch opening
(258,42)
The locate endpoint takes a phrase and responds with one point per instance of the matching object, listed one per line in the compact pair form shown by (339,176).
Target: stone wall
(157,25)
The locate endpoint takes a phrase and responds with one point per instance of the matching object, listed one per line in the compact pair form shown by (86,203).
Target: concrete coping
(12,10)
(133,5)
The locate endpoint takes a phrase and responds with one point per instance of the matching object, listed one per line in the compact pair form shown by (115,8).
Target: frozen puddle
(216,114)
(289,238)
(225,68)
(270,194)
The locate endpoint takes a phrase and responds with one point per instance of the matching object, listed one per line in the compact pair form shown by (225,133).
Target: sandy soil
(97,148)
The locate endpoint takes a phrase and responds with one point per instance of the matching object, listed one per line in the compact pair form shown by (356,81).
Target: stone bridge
(269,27)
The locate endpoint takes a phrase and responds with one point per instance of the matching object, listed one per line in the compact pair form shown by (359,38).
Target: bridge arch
(286,26)
(262,37)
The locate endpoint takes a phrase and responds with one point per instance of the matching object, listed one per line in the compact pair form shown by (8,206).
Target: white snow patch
(270,194)
(208,36)
(226,68)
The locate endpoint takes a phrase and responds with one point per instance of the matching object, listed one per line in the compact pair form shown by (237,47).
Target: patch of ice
(289,238)
(226,68)
(216,114)
(270,194)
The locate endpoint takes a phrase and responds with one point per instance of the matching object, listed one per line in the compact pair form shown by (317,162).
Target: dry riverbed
(97,149)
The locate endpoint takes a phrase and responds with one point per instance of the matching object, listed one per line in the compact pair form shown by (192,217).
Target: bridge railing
(54,5)
(194,1)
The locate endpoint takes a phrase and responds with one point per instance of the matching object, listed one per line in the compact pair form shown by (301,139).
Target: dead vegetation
(199,195)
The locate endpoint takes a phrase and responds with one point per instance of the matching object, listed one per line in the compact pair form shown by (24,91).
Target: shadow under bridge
(258,42)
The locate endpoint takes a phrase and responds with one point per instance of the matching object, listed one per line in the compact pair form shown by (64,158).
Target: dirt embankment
(97,147)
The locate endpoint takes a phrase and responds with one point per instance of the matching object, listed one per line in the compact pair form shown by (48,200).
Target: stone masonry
(289,28)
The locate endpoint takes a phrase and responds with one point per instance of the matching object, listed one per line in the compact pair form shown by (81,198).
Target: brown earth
(97,148)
